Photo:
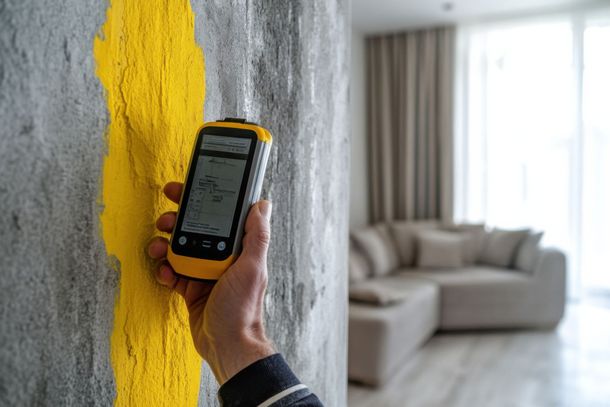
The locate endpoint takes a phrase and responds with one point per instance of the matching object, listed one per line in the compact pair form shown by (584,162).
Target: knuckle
(263,237)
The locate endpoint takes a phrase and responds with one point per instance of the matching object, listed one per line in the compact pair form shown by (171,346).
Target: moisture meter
(224,179)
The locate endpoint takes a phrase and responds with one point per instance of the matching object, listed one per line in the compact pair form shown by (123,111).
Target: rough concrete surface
(284,64)
(280,63)
(152,69)
(57,290)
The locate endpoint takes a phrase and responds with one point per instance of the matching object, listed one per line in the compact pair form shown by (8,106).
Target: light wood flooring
(567,367)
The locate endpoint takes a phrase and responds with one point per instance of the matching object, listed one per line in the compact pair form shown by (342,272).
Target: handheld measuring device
(224,179)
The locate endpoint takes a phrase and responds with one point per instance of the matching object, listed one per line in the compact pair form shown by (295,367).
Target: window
(533,135)
(595,263)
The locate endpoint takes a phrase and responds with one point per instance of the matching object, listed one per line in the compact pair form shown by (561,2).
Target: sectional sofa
(411,279)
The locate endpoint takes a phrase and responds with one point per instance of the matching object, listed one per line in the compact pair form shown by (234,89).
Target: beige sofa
(410,279)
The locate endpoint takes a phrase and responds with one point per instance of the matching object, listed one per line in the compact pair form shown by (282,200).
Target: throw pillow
(527,254)
(358,266)
(376,294)
(501,246)
(377,246)
(473,235)
(405,234)
(384,290)
(439,249)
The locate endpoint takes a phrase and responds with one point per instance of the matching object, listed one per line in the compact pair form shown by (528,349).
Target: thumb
(257,232)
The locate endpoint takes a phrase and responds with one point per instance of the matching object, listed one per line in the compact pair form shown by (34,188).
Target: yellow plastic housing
(262,133)
(200,269)
(203,269)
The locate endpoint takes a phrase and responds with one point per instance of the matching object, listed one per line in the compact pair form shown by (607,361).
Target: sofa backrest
(377,246)
(379,249)
(405,234)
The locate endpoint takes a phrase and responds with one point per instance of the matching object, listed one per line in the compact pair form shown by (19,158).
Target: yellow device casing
(207,269)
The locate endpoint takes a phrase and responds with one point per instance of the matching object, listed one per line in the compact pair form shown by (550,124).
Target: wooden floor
(568,367)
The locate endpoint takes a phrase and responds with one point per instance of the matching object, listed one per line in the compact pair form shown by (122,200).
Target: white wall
(359,185)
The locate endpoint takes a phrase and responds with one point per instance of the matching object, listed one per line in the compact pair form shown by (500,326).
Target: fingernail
(265,208)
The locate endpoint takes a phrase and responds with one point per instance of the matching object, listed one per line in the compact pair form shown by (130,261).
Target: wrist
(228,356)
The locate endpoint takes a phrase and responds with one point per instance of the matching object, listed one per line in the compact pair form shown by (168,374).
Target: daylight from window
(533,136)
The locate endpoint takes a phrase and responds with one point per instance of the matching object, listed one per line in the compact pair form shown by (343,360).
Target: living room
(176,179)
(478,203)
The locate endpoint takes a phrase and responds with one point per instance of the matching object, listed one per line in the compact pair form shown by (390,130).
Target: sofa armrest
(550,277)
(551,263)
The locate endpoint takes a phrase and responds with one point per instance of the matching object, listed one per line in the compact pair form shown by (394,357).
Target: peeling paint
(153,72)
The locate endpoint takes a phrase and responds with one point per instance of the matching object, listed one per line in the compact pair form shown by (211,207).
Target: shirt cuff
(264,382)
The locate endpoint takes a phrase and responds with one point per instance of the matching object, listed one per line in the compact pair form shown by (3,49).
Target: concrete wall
(57,289)
(283,64)
(359,181)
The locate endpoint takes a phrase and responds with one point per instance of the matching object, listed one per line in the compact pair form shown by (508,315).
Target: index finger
(173,190)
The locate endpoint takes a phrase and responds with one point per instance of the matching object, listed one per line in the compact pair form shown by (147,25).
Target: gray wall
(283,64)
(57,292)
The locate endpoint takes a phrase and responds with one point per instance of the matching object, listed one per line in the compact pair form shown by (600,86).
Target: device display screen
(214,193)
(215,188)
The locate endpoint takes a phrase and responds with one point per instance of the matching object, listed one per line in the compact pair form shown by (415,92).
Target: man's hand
(225,317)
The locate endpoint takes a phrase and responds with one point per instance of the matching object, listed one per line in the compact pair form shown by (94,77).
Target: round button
(182,240)
(221,245)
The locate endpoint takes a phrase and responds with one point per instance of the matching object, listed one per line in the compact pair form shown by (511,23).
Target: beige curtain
(410,100)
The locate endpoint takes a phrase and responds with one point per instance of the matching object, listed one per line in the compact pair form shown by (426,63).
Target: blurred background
(491,116)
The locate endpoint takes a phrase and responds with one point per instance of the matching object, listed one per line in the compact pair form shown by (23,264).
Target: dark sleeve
(267,382)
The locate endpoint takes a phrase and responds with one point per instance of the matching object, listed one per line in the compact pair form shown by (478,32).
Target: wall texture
(57,289)
(77,328)
(153,76)
(285,64)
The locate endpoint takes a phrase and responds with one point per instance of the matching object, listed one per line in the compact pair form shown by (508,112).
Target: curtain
(410,121)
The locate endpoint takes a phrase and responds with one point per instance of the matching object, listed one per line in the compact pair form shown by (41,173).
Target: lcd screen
(216,185)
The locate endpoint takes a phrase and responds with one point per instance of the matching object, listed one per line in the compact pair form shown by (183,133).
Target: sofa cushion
(383,290)
(380,339)
(405,234)
(358,266)
(473,236)
(528,252)
(438,248)
(480,297)
(464,276)
(377,246)
(501,245)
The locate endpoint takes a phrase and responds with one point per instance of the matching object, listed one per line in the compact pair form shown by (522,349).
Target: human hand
(225,317)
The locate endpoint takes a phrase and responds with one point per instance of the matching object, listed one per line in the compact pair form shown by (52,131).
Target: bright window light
(533,135)
(596,161)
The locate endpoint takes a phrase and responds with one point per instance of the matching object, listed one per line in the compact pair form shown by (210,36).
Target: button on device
(206,243)
(182,240)
(221,245)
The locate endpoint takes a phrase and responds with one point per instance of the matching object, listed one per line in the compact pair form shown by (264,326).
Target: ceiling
(370,16)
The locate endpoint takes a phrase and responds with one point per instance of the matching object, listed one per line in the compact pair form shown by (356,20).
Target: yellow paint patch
(153,73)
